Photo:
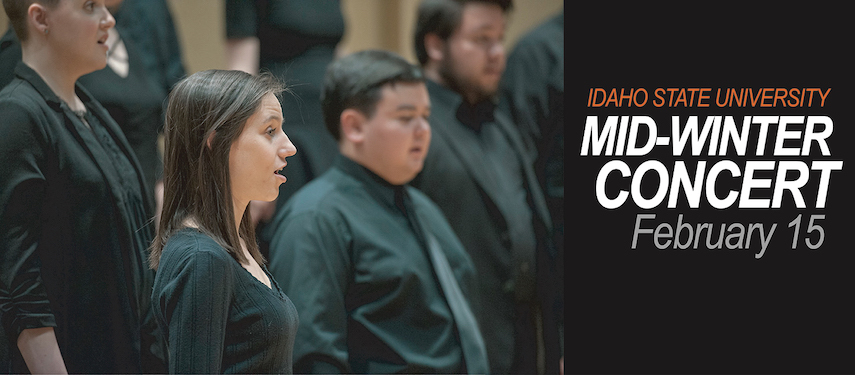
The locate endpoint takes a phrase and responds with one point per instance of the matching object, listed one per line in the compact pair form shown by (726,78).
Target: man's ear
(37,17)
(352,125)
(434,46)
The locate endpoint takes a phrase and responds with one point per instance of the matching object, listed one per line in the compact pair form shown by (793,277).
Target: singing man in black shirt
(380,281)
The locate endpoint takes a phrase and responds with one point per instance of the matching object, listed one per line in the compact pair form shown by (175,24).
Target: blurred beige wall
(385,24)
(388,24)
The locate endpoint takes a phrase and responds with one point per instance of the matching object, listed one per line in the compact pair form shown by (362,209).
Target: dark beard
(471,93)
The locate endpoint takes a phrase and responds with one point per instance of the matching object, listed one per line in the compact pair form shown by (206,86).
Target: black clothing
(285,28)
(148,23)
(533,93)
(10,54)
(360,274)
(298,40)
(477,174)
(73,232)
(217,317)
(135,102)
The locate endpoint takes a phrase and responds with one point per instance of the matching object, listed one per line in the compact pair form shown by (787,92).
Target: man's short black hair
(355,81)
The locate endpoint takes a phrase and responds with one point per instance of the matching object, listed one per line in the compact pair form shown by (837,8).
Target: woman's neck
(239,211)
(57,76)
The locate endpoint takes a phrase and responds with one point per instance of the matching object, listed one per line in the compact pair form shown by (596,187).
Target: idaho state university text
(697,97)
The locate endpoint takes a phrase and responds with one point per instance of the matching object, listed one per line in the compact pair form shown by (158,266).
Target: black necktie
(471,341)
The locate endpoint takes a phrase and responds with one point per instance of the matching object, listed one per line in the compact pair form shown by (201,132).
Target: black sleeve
(10,54)
(23,300)
(241,19)
(308,258)
(169,47)
(194,300)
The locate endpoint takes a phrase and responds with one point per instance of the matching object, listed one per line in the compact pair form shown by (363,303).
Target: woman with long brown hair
(219,308)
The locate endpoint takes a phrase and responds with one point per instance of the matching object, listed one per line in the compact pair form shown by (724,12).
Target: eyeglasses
(485,43)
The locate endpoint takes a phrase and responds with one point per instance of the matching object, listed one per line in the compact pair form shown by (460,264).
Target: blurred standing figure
(74,207)
(143,62)
(478,173)
(149,24)
(219,308)
(381,281)
(532,92)
(295,40)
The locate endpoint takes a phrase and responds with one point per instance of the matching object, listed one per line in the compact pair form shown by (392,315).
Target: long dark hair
(211,104)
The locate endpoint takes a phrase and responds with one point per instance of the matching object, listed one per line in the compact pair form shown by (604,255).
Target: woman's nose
(107,21)
(287,148)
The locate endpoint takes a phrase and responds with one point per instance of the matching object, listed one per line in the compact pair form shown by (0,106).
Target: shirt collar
(376,186)
(473,116)
(24,72)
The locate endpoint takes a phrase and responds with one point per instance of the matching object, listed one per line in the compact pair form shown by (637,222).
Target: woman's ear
(211,139)
(352,126)
(37,18)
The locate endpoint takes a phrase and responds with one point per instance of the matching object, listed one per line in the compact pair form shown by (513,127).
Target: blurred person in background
(479,174)
(532,92)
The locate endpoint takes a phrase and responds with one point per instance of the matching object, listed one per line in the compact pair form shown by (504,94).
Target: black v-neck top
(216,316)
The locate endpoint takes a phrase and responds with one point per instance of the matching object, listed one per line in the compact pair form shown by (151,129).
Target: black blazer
(67,257)
(454,178)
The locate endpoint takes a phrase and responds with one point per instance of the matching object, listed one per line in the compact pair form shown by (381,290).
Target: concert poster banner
(711,189)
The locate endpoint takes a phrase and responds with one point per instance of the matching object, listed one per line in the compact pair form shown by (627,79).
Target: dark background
(710,311)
